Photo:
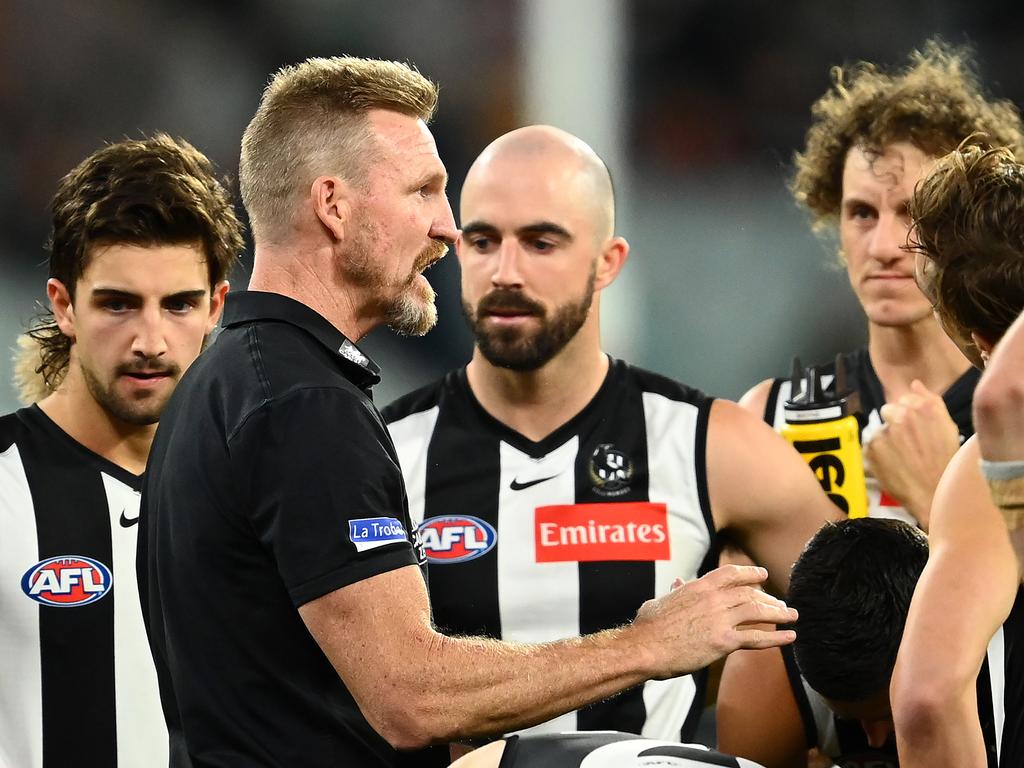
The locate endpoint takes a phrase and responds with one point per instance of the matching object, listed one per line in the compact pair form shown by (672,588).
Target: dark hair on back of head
(852,586)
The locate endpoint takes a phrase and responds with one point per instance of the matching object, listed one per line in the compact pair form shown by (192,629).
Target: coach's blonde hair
(312,121)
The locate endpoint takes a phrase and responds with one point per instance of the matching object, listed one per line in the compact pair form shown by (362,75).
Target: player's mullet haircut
(146,192)
(934,103)
(852,586)
(968,216)
(311,121)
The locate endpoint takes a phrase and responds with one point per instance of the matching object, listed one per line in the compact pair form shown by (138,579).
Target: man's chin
(413,319)
(137,411)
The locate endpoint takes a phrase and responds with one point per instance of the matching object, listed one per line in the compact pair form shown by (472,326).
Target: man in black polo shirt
(286,609)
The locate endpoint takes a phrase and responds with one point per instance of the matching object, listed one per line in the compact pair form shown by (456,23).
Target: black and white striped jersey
(1000,695)
(862,377)
(77,681)
(537,541)
(1005,667)
(604,749)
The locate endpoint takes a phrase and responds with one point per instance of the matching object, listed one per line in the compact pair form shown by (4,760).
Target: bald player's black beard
(515,350)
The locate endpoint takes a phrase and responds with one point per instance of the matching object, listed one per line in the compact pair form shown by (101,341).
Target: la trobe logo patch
(67,581)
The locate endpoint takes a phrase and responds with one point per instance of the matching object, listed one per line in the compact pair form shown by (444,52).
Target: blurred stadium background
(697,105)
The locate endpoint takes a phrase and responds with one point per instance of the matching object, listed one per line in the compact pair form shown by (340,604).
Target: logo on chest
(627,530)
(610,470)
(456,538)
(67,581)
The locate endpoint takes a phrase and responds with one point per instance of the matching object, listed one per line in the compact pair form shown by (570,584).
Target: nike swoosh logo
(515,485)
(128,522)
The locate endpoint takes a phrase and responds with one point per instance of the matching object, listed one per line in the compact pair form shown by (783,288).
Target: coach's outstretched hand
(703,620)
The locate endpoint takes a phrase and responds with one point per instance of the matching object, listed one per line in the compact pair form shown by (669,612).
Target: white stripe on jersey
(523,618)
(997,676)
(137,692)
(671,426)
(411,437)
(21,696)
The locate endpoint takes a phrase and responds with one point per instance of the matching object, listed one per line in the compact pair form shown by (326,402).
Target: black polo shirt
(272,482)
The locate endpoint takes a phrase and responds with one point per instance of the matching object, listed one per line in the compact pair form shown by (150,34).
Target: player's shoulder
(15,427)
(424,398)
(646,381)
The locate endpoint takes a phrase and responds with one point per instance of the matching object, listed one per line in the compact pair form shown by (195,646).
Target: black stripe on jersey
(711,559)
(985,714)
(1011,751)
(76,643)
(772,402)
(700,462)
(796,685)
(691,753)
(469,590)
(610,592)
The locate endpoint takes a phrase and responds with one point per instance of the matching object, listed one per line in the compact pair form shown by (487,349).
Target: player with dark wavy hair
(143,236)
(968,610)
(158,190)
(874,134)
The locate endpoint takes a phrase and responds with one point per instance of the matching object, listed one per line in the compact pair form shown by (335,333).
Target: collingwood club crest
(610,470)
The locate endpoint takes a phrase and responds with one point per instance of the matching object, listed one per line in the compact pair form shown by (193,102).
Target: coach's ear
(330,198)
(60,303)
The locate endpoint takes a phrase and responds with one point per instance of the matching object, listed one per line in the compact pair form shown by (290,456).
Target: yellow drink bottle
(821,425)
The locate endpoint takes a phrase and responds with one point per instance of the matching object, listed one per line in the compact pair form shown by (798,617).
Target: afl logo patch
(610,470)
(456,538)
(67,581)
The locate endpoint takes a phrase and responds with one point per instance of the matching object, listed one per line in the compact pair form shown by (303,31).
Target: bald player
(556,489)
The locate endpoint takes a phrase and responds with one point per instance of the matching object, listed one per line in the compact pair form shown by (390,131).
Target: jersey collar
(243,307)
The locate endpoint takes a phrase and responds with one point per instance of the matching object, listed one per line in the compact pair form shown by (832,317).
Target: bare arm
(757,713)
(755,399)
(965,593)
(911,451)
(763,494)
(415,686)
(999,399)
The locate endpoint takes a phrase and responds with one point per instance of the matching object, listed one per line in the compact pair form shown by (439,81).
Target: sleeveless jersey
(77,681)
(536,541)
(999,691)
(862,377)
(1005,668)
(604,749)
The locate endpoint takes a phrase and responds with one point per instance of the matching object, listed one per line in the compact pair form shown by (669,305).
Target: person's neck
(919,351)
(73,408)
(536,403)
(308,276)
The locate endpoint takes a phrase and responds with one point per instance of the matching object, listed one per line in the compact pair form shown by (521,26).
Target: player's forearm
(481,687)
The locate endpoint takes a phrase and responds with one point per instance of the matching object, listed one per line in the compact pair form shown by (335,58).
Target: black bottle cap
(811,402)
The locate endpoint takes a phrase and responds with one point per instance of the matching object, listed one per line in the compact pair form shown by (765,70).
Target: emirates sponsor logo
(627,530)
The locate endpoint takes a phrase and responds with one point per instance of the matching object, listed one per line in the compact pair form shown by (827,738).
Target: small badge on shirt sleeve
(372,532)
